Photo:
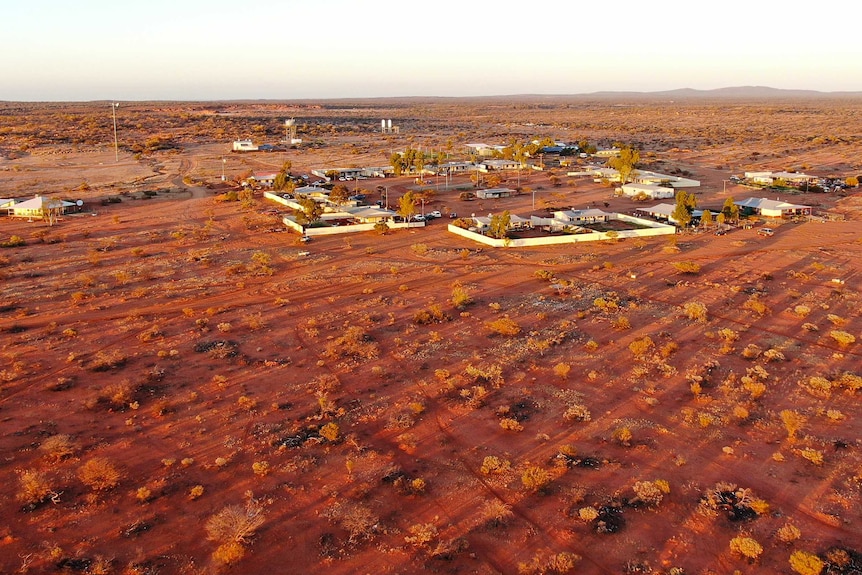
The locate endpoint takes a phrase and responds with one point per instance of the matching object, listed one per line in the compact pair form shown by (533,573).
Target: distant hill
(736,92)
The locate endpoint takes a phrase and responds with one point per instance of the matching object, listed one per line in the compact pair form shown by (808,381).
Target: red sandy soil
(110,325)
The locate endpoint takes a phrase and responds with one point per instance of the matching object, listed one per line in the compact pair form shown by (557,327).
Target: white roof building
(774,208)
(653,191)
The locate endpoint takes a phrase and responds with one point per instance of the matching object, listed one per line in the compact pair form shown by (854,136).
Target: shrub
(13,242)
(687,267)
(641,346)
(330,432)
(812,455)
(534,478)
(561,370)
(34,487)
(788,532)
(622,322)
(649,492)
(235,523)
(228,553)
(99,474)
(806,563)
(493,465)
(623,435)
(695,311)
(434,314)
(196,491)
(511,424)
(504,326)
(460,297)
(754,304)
(793,422)
(58,447)
(355,343)
(746,546)
(842,337)
(577,413)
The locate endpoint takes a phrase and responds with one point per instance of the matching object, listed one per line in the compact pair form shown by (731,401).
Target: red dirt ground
(111,323)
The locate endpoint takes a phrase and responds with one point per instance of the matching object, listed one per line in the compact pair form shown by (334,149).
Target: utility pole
(114,106)
(223,162)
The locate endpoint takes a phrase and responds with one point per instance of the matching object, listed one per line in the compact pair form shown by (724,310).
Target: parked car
(418,218)
(766,232)
(435,214)
(452,215)
(720,232)
(305,239)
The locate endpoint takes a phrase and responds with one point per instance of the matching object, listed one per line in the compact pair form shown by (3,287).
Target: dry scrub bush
(504,326)
(621,323)
(99,474)
(687,267)
(434,314)
(493,465)
(806,563)
(106,361)
(421,534)
(651,492)
(623,435)
(836,320)
(563,562)
(562,370)
(817,386)
(802,310)
(495,513)
(793,422)
(754,304)
(235,523)
(746,546)
(261,468)
(33,487)
(229,553)
(330,432)
(577,412)
(788,533)
(58,447)
(511,424)
(460,297)
(843,338)
(535,478)
(695,311)
(641,346)
(811,454)
(849,381)
(591,346)
(751,351)
(355,344)
(773,354)
(492,374)
(196,492)
(357,519)
(587,514)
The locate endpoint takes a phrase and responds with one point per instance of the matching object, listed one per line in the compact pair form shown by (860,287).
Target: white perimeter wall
(655,229)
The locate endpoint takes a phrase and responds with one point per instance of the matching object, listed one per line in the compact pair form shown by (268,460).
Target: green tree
(706,219)
(311,211)
(397,162)
(852,182)
(339,194)
(282,179)
(499,226)
(625,162)
(685,205)
(730,210)
(407,205)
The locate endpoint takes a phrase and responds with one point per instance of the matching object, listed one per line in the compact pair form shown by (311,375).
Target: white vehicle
(435,214)
(418,218)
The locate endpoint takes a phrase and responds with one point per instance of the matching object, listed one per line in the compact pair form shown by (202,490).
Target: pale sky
(63,50)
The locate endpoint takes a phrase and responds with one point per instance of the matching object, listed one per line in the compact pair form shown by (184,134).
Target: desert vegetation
(185,387)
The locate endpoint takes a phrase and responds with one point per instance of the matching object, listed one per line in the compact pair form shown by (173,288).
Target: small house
(774,208)
(244,146)
(494,193)
(647,191)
